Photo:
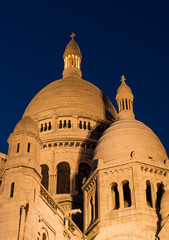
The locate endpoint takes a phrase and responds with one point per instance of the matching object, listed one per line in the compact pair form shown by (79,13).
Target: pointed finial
(72,35)
(123,78)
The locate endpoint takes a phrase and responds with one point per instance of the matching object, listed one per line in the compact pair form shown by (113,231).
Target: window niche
(45,127)
(126,194)
(115,196)
(91,209)
(148,194)
(159,194)
(28,148)
(12,189)
(63,178)
(18,147)
(80,124)
(96,205)
(65,124)
(44,237)
(45,175)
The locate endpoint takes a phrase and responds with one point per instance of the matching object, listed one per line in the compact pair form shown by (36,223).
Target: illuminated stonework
(74,163)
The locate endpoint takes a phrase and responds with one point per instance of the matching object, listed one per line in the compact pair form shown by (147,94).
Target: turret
(72,58)
(124,98)
(24,145)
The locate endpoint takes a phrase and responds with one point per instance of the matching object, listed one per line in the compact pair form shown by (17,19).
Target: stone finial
(124,98)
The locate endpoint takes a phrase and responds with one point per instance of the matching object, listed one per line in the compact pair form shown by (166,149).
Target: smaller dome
(126,136)
(72,48)
(26,125)
(164,207)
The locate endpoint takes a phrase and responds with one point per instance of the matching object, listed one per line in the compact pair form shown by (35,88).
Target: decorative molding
(117,170)
(154,170)
(91,183)
(48,199)
(69,144)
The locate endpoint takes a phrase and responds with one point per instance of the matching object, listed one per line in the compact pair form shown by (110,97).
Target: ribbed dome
(72,48)
(26,125)
(164,207)
(71,96)
(126,136)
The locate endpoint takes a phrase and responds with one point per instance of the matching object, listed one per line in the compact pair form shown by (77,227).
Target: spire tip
(72,35)
(123,79)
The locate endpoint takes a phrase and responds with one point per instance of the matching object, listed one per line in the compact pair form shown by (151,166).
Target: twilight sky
(115,38)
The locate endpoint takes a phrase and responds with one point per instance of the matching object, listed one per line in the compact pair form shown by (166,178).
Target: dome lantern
(72,58)
(124,98)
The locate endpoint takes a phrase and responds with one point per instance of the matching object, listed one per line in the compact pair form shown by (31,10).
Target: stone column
(121,195)
(75,122)
(154,190)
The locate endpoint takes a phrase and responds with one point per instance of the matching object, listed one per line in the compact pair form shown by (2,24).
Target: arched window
(92,209)
(18,146)
(64,124)
(41,128)
(96,205)
(126,104)
(80,124)
(148,194)
(160,191)
(60,124)
(44,237)
(45,175)
(69,61)
(12,189)
(63,177)
(84,125)
(28,148)
(126,194)
(123,104)
(115,196)
(45,129)
(50,126)
(84,170)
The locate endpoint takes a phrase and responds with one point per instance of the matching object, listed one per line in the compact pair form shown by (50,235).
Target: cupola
(72,58)
(124,98)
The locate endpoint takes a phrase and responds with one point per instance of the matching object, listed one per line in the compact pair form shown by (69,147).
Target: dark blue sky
(115,38)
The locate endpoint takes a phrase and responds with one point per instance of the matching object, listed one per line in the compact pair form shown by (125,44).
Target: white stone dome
(126,136)
(164,207)
(26,125)
(71,96)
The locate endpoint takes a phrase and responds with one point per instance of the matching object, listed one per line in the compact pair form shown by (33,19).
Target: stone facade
(76,169)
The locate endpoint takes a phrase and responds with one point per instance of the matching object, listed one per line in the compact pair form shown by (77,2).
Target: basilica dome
(71,95)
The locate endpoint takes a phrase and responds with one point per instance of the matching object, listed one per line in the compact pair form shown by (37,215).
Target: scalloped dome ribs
(126,136)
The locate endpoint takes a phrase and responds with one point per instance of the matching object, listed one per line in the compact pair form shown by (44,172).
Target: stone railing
(51,202)
(70,226)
